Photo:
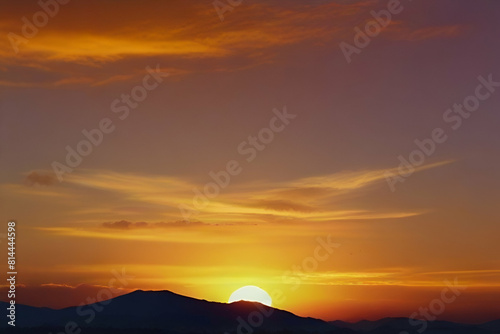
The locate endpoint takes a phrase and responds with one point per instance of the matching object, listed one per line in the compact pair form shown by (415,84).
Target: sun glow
(251,293)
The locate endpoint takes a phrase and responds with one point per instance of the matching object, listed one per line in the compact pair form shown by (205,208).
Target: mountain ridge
(166,310)
(149,311)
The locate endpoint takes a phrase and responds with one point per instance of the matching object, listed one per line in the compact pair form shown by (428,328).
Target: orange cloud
(68,51)
(158,198)
(182,35)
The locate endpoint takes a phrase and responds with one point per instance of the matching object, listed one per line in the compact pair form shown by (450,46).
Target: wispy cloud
(352,180)
(150,198)
(403,32)
(402,277)
(185,34)
(126,225)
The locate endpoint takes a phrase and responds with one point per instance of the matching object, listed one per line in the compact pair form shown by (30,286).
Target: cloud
(188,37)
(283,205)
(223,234)
(313,198)
(403,277)
(69,51)
(42,178)
(403,32)
(351,180)
(126,225)
(115,78)
(148,198)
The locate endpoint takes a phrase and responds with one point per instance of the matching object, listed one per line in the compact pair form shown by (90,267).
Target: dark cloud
(121,225)
(42,178)
(126,225)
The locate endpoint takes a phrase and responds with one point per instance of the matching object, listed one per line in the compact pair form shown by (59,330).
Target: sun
(251,293)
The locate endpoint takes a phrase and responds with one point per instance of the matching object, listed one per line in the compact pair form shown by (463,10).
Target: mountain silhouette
(398,325)
(161,312)
(166,310)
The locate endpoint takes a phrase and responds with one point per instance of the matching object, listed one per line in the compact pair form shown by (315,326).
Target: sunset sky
(322,175)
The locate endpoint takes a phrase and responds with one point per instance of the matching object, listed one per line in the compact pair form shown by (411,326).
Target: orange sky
(322,175)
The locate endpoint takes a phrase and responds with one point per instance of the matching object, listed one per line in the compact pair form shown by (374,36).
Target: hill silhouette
(160,312)
(165,310)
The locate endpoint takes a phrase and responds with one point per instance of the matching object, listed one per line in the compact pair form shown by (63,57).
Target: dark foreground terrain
(162,312)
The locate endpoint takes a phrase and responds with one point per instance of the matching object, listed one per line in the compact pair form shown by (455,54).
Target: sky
(236,145)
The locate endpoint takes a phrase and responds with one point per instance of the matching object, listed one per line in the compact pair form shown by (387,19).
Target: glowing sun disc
(251,293)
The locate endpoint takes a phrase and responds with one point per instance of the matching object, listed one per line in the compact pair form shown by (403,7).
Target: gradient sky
(322,175)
